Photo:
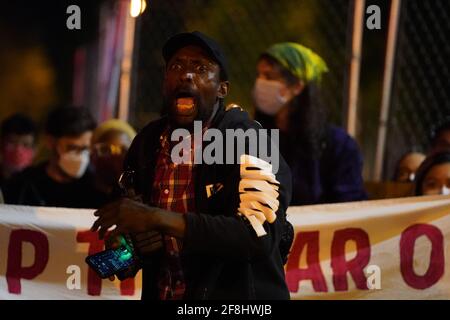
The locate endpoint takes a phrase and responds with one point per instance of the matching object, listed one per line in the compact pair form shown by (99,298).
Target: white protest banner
(388,249)
(42,252)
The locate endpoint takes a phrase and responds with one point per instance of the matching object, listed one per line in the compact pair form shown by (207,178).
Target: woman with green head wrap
(325,161)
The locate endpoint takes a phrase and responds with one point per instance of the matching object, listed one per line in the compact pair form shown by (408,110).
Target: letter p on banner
(14,270)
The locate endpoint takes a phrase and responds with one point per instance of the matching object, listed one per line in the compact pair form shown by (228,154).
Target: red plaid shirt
(173,189)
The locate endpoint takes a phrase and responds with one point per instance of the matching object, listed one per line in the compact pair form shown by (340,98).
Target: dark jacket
(33,187)
(222,256)
(335,177)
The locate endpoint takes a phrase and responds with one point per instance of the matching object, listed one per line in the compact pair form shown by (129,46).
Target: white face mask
(445,191)
(74,164)
(267,96)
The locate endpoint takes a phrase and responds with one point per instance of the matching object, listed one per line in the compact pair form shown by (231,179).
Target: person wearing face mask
(17,145)
(64,180)
(110,142)
(407,166)
(325,161)
(433,176)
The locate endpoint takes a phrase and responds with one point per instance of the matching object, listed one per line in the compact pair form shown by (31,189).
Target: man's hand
(127,215)
(130,272)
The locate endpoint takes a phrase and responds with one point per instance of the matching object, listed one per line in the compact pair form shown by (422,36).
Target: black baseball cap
(197,38)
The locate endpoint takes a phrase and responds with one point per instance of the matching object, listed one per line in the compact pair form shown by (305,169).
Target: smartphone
(111,261)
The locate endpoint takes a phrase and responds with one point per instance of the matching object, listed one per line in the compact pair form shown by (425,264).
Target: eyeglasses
(106,149)
(406,175)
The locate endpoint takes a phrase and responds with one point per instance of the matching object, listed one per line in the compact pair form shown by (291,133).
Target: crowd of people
(430,172)
(83,164)
(221,254)
(85,161)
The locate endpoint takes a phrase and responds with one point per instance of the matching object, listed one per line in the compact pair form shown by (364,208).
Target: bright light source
(137,7)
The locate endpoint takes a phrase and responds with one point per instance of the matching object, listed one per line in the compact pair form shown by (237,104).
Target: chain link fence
(421,92)
(244,28)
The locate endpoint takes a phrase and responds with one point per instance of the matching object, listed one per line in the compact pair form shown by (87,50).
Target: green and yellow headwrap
(302,62)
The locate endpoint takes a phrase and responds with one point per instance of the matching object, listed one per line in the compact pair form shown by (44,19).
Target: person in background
(64,180)
(325,161)
(440,137)
(110,143)
(433,176)
(18,135)
(407,166)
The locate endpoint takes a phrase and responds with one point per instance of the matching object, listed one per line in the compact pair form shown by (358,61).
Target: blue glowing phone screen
(109,262)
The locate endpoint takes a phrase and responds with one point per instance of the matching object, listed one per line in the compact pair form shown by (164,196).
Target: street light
(137,7)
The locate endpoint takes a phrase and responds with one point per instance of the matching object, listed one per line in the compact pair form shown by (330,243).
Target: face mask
(445,191)
(18,157)
(74,164)
(267,96)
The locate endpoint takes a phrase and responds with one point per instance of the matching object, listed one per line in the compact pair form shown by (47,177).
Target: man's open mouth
(185,103)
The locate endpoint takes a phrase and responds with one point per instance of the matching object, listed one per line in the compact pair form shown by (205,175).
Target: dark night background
(37,54)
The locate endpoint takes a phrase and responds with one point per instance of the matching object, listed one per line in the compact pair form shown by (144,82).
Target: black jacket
(34,187)
(222,256)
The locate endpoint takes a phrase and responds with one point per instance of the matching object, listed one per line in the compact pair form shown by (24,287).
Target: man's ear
(223,89)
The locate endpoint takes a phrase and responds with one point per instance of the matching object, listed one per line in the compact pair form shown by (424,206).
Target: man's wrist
(167,222)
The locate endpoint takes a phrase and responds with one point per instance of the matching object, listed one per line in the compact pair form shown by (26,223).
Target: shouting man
(224,228)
